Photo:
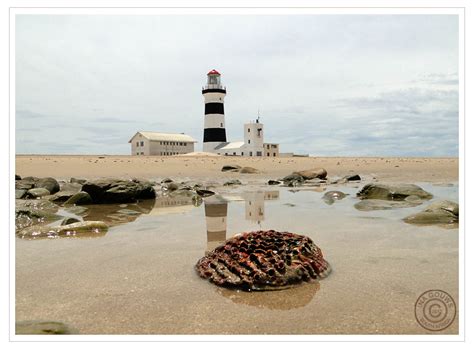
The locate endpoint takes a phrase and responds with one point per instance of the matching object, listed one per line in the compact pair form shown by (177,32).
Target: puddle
(140,278)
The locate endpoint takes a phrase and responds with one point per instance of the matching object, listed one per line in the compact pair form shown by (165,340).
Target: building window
(185,144)
(222,125)
(141,153)
(242,153)
(249,141)
(235,153)
(138,153)
(138,145)
(248,130)
(268,154)
(250,153)
(226,154)
(274,154)
(141,143)
(259,153)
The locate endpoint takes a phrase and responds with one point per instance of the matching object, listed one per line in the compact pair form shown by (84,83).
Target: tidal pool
(139,277)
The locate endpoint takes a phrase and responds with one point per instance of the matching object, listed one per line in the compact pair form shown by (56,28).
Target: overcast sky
(375,85)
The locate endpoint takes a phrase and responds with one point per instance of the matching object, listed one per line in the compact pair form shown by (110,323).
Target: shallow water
(139,277)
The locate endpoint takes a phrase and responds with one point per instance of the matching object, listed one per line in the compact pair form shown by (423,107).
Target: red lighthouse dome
(213,72)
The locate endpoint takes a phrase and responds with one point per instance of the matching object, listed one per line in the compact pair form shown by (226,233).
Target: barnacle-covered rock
(264,260)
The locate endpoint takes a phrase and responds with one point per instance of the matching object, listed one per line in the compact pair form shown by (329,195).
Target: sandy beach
(150,167)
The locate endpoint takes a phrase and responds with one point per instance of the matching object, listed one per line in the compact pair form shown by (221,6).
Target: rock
(273,182)
(233,182)
(320,173)
(71,187)
(439,212)
(392,192)
(112,190)
(81,198)
(376,204)
(167,180)
(331,196)
(249,170)
(204,193)
(37,192)
(42,328)
(231,168)
(293,180)
(27,214)
(26,183)
(60,196)
(17,177)
(351,178)
(69,220)
(171,186)
(48,183)
(20,193)
(79,229)
(77,180)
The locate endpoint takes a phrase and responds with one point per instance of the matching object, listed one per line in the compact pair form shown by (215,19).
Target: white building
(163,144)
(215,140)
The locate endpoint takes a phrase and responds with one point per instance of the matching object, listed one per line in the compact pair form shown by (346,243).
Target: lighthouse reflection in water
(216,213)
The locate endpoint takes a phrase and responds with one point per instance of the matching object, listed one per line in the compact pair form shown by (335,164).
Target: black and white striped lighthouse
(214,120)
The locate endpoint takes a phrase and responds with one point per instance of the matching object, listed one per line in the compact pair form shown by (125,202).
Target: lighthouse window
(249,141)
(222,125)
(248,130)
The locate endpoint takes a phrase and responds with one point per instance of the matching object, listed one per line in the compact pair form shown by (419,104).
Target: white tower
(253,138)
(214,121)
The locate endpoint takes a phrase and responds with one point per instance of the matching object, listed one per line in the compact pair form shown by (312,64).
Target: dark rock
(171,186)
(79,229)
(37,193)
(42,328)
(320,173)
(60,196)
(167,180)
(17,177)
(112,190)
(273,182)
(48,183)
(25,183)
(331,196)
(77,180)
(69,220)
(392,192)
(231,168)
(233,182)
(440,212)
(247,170)
(351,178)
(81,198)
(204,193)
(293,180)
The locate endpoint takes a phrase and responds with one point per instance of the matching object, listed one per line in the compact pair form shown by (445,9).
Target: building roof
(213,72)
(157,136)
(230,145)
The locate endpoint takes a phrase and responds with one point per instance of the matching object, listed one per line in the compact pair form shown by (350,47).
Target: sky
(324,85)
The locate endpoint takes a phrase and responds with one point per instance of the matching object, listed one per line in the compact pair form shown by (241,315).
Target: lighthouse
(214,121)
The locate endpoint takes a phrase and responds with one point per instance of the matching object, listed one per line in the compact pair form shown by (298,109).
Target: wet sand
(385,169)
(138,278)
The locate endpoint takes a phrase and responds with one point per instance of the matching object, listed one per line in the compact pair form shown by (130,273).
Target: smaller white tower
(253,138)
(216,222)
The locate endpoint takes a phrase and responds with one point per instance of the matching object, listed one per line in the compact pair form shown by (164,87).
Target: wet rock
(231,168)
(439,212)
(26,183)
(77,180)
(71,187)
(171,186)
(293,180)
(113,190)
(28,214)
(331,196)
(81,198)
(79,229)
(392,192)
(167,180)
(48,183)
(60,196)
(20,193)
(233,182)
(249,170)
(376,204)
(204,193)
(264,260)
(17,177)
(273,182)
(69,220)
(42,328)
(352,178)
(320,173)
(37,193)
